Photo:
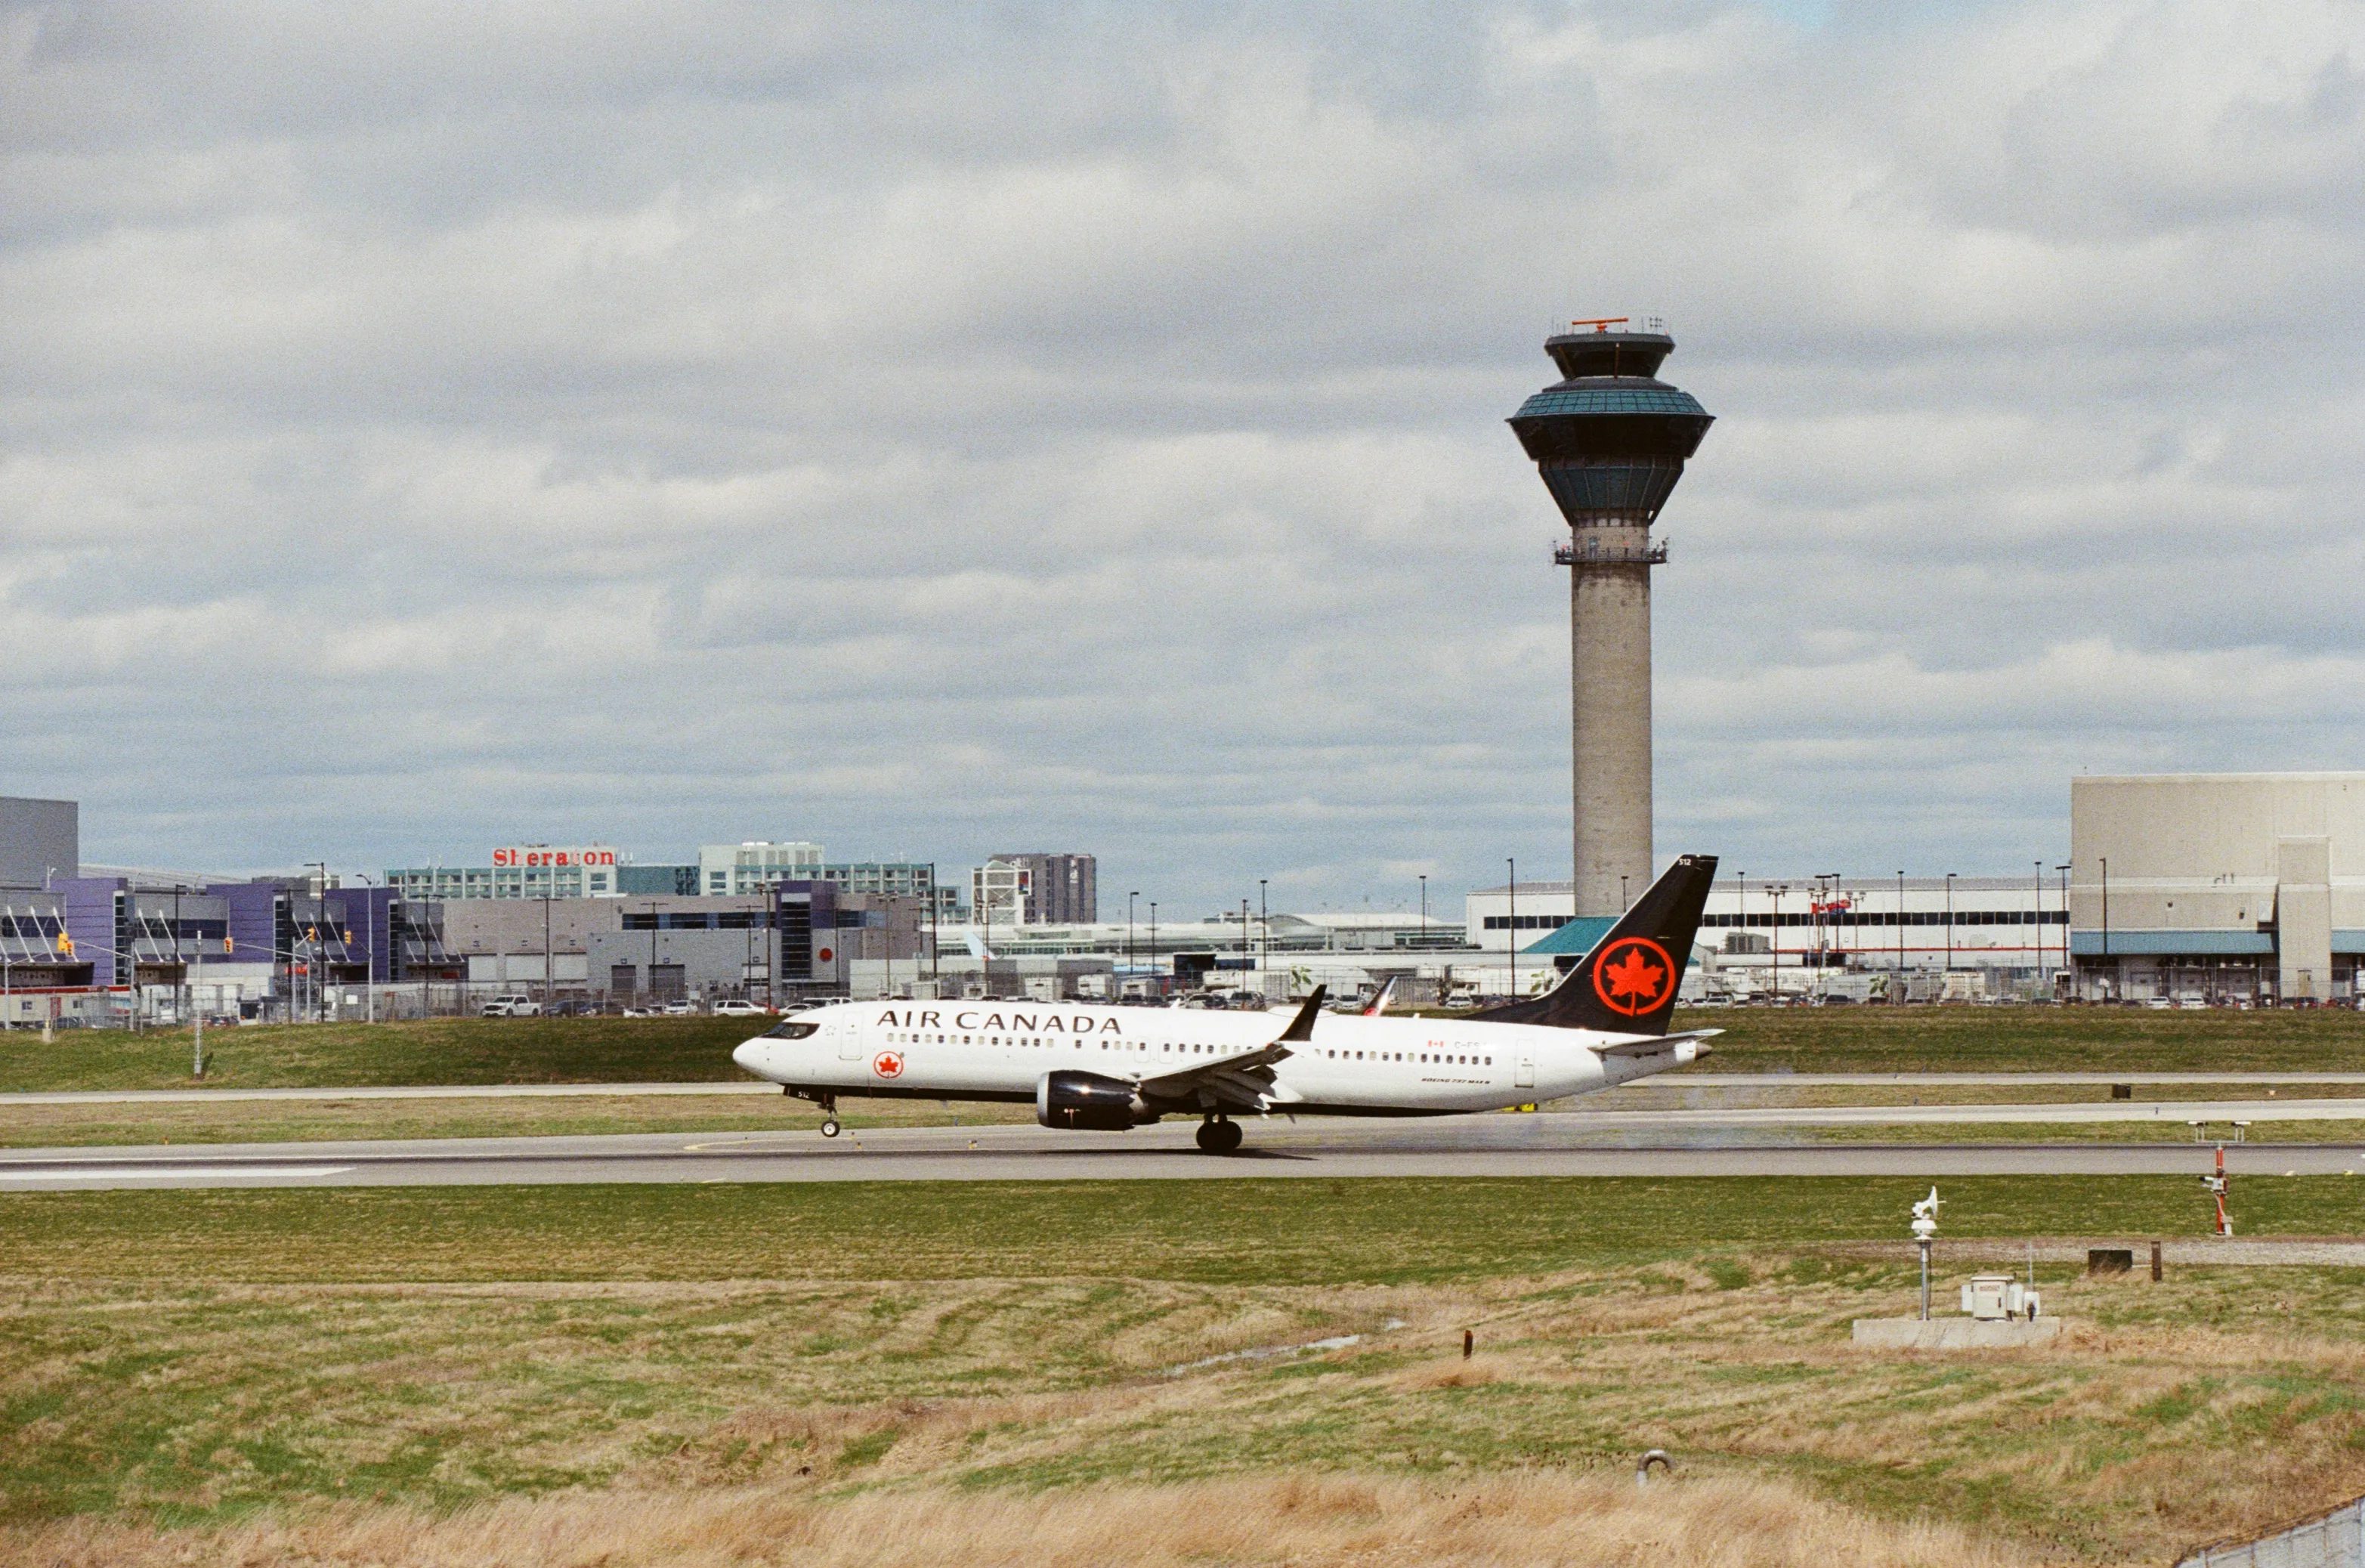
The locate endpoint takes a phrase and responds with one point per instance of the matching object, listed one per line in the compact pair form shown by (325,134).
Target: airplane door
(850,1044)
(1527,1078)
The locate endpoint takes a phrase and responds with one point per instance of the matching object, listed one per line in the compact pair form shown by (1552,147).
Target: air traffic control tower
(1611,440)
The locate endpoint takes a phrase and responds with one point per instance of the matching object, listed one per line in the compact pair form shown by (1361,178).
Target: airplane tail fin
(1627,984)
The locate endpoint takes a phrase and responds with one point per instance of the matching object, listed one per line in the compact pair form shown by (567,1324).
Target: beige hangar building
(2217,886)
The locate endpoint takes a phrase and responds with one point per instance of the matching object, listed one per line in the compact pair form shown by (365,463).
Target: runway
(750,1086)
(1649,1143)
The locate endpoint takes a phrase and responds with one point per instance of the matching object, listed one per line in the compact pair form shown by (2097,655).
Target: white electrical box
(1997,1296)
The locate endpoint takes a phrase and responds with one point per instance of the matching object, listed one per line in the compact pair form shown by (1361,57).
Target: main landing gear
(1218,1135)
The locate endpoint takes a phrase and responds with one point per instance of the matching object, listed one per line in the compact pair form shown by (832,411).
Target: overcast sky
(943,431)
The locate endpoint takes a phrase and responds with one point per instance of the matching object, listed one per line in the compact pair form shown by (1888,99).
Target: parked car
(679,1009)
(741,1007)
(515,1006)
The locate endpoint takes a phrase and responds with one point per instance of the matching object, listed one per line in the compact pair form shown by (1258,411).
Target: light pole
(180,964)
(1775,891)
(1950,923)
(2108,978)
(1828,933)
(2067,961)
(1424,911)
(197,1000)
(1153,948)
(1513,862)
(1130,965)
(1900,929)
(369,948)
(2039,878)
(1624,902)
(320,918)
(1264,936)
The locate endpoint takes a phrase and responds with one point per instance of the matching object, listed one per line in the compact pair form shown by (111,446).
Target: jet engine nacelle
(1087,1100)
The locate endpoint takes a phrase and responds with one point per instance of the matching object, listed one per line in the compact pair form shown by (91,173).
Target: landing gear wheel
(1218,1136)
(829,1127)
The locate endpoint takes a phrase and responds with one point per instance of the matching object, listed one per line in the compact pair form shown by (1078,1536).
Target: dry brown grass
(1525,1521)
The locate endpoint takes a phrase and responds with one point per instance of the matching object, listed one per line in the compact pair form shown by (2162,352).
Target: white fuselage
(1353,1065)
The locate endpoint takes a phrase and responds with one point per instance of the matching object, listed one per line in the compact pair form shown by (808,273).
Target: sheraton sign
(542,855)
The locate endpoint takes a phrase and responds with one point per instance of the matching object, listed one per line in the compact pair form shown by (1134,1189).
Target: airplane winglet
(1301,1028)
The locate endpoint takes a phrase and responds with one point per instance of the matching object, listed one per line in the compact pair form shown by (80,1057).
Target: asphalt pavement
(749,1086)
(1547,1144)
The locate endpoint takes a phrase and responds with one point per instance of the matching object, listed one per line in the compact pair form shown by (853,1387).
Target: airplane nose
(747,1054)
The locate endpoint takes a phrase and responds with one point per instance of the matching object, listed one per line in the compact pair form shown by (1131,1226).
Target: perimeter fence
(2336,1540)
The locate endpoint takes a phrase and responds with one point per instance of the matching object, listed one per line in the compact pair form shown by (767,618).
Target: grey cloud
(924,427)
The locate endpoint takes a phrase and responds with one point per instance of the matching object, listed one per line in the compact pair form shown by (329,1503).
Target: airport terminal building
(2218,886)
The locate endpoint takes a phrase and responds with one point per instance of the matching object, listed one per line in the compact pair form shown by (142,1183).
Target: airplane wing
(1659,1045)
(1234,1083)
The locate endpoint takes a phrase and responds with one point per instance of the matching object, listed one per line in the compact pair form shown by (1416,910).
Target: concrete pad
(1954,1333)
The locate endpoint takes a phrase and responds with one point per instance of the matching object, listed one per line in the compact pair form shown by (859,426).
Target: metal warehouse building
(2211,887)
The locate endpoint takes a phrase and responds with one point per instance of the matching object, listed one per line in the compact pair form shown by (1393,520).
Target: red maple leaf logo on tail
(1628,980)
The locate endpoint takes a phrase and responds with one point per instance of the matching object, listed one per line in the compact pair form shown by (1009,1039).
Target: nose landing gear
(1218,1135)
(829,1115)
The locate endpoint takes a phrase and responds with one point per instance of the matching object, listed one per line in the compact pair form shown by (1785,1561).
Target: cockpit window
(790,1030)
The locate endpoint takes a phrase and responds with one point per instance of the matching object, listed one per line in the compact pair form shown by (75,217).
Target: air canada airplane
(1115,1068)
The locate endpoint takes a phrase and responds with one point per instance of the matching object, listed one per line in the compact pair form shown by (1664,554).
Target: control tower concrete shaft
(1611,440)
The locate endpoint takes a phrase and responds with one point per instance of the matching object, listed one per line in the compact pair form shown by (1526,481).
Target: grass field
(683,1050)
(341,1056)
(2024,1039)
(1245,1232)
(841,1372)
